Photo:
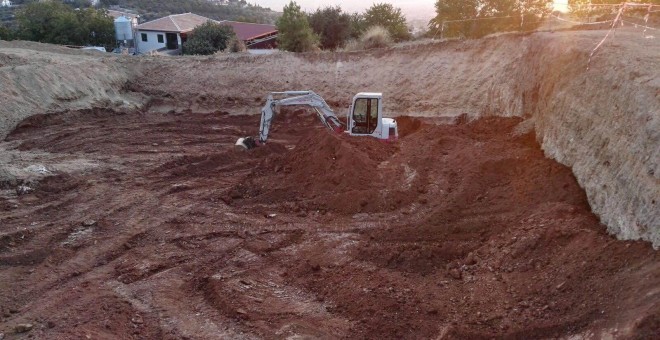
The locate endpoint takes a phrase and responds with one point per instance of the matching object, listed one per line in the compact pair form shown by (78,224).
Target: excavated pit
(125,211)
(461,230)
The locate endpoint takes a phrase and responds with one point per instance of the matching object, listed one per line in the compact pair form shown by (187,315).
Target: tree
(389,17)
(533,12)
(476,18)
(78,3)
(294,31)
(358,25)
(208,38)
(56,23)
(526,15)
(5,33)
(96,26)
(37,20)
(22,2)
(451,10)
(583,8)
(332,26)
(506,14)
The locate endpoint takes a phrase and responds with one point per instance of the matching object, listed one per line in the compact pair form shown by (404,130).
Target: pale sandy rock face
(40,78)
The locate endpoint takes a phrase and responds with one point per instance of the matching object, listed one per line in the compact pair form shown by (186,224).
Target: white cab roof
(369,95)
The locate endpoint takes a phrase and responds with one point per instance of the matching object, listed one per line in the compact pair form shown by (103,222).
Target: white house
(169,32)
(172,31)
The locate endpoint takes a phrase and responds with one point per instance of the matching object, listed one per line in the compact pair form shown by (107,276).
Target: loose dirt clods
(457,231)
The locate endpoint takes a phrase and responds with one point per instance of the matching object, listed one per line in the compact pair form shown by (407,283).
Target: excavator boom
(289,98)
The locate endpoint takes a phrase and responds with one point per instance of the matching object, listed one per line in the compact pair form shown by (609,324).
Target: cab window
(365,115)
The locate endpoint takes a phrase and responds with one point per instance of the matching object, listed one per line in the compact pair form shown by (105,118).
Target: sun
(561,5)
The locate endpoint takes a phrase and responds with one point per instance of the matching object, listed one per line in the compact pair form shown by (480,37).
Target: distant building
(255,36)
(170,32)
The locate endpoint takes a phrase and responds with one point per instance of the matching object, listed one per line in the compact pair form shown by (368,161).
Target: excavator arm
(288,98)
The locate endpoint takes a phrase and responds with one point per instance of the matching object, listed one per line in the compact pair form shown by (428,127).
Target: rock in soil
(471,259)
(456,273)
(89,223)
(23,327)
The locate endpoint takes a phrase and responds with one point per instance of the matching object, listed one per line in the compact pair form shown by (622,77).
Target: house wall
(265,44)
(152,41)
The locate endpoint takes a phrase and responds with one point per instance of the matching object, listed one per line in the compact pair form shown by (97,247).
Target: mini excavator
(365,116)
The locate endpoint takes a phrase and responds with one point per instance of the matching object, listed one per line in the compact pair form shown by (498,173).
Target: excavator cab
(365,118)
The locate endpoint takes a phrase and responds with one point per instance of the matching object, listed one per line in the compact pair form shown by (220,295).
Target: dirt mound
(58,84)
(407,125)
(10,60)
(323,171)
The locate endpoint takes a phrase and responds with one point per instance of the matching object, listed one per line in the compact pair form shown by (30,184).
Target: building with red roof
(170,32)
(255,36)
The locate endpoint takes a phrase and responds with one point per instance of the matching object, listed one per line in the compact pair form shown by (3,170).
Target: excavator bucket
(246,143)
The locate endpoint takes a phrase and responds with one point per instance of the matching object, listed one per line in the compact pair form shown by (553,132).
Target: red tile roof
(183,23)
(248,31)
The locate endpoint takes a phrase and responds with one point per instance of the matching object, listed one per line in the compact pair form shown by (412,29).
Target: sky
(413,9)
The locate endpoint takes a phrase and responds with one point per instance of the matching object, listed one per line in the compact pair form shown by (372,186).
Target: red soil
(456,231)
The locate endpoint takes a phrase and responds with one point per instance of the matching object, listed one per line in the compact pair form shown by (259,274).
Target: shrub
(236,45)
(208,38)
(5,33)
(352,45)
(374,37)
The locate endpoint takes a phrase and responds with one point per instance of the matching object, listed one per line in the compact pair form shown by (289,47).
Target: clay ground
(163,230)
